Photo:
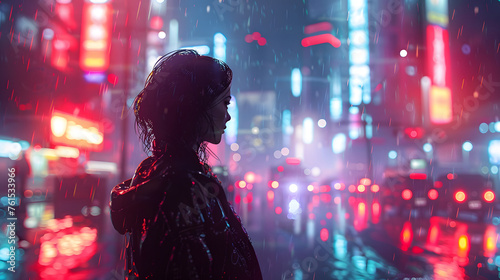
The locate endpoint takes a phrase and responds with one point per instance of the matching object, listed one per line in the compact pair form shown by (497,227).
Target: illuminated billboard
(66,129)
(438,61)
(96,36)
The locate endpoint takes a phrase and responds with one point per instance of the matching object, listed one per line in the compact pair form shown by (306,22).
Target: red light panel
(292,161)
(418,176)
(96,36)
(438,61)
(321,39)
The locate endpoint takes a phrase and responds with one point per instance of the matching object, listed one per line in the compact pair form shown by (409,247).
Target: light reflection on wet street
(356,239)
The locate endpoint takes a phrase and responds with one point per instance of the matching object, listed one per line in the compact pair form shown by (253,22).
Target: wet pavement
(355,238)
(359,240)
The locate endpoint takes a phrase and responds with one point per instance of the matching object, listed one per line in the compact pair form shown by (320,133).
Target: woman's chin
(215,140)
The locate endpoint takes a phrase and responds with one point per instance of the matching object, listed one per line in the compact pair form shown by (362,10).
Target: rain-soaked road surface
(360,239)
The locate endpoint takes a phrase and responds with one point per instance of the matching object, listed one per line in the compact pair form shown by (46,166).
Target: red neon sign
(438,61)
(96,34)
(321,39)
(76,132)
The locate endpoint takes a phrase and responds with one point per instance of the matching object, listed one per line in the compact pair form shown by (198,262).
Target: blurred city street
(364,140)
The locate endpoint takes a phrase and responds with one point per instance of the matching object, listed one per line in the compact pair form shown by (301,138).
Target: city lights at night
(351,139)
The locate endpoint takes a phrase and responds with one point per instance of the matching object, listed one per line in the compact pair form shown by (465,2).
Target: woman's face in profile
(220,116)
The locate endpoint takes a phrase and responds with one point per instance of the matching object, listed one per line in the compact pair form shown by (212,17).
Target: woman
(174,212)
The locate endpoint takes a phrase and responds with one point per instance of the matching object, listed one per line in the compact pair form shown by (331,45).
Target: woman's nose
(228,116)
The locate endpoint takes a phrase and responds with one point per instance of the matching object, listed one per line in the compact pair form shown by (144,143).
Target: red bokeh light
(433,194)
(256,36)
(418,176)
(248,38)
(365,181)
(460,196)
(112,79)
(361,188)
(324,234)
(336,200)
(325,188)
(250,177)
(270,195)
(489,196)
(407,194)
(156,22)
(326,198)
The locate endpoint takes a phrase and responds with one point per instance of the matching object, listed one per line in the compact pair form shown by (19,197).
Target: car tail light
(361,188)
(489,196)
(460,196)
(406,194)
(418,176)
(339,186)
(433,194)
(375,188)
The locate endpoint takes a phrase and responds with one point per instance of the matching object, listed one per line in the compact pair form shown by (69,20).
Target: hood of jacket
(140,196)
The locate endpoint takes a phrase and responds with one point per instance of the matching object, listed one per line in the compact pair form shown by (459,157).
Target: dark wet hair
(175,99)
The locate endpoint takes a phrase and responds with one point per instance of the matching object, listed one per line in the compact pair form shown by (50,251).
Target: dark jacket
(179,224)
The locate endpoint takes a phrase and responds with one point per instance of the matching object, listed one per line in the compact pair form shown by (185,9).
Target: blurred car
(415,192)
(291,195)
(467,195)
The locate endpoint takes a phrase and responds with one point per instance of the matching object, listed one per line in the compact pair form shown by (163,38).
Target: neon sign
(438,58)
(96,36)
(359,56)
(72,131)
